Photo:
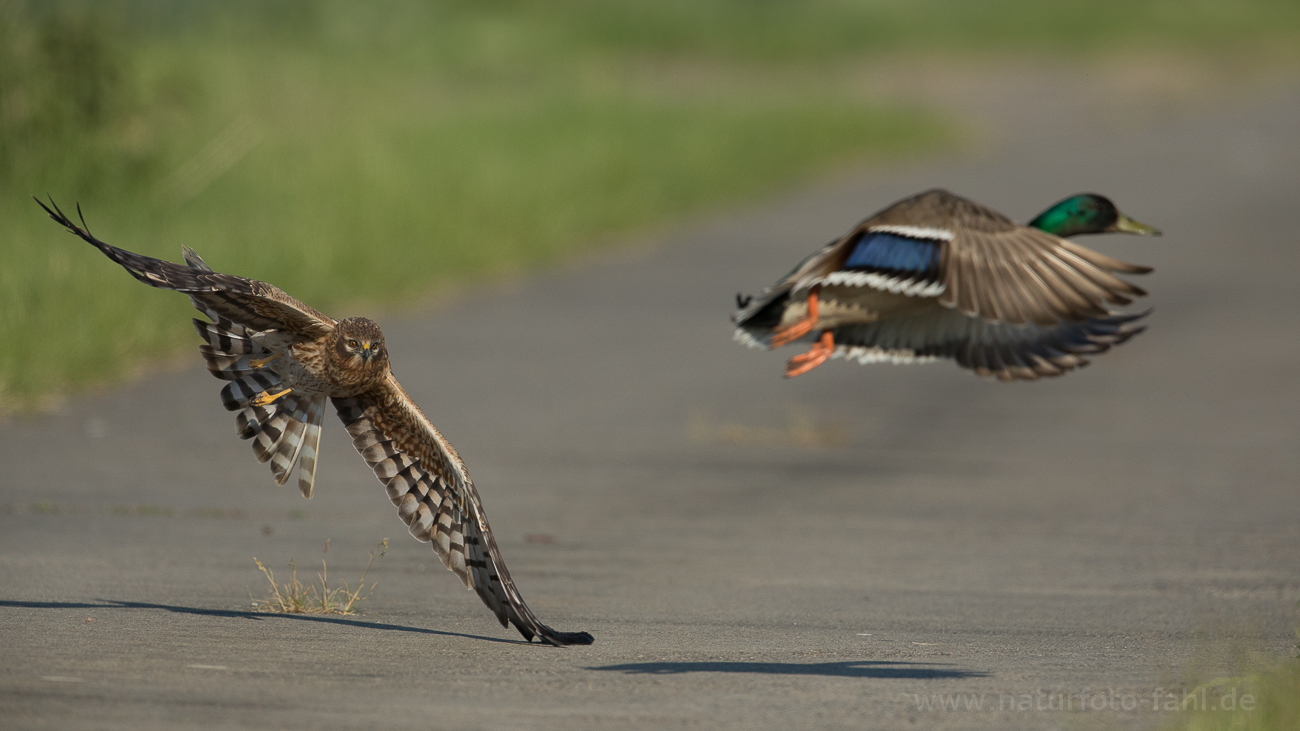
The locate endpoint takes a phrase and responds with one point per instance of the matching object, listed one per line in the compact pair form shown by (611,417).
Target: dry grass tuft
(296,597)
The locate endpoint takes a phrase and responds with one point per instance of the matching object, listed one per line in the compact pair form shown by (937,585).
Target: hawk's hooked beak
(366,352)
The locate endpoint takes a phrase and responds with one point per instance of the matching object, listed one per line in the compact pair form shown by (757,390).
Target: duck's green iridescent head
(1088,213)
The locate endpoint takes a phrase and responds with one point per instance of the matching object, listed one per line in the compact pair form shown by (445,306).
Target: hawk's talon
(790,333)
(266,398)
(819,353)
(261,362)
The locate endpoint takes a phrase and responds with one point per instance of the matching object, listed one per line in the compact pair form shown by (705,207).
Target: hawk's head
(358,348)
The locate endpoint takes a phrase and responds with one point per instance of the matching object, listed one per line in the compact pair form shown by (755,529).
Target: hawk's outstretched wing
(254,305)
(285,433)
(428,483)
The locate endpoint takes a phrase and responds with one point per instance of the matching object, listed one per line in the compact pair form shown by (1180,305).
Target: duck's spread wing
(428,483)
(254,305)
(992,268)
(998,349)
(1022,275)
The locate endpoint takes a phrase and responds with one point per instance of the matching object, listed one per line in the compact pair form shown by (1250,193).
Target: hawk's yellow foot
(266,397)
(819,353)
(261,362)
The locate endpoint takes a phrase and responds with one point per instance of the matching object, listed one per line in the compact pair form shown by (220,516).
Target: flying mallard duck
(938,276)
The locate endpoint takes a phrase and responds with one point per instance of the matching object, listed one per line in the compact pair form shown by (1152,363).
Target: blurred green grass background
(368,154)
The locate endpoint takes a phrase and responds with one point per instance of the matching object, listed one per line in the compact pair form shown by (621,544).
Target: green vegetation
(366,154)
(1264,698)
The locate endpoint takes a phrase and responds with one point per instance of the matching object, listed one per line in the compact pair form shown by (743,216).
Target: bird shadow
(244,614)
(846,669)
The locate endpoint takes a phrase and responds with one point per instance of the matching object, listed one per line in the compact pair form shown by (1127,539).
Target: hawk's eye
(352,344)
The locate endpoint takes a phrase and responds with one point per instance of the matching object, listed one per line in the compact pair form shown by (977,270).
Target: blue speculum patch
(880,250)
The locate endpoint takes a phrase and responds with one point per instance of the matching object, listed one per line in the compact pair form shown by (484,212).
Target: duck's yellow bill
(1129,226)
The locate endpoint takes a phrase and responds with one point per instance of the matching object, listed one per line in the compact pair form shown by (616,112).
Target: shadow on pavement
(242,614)
(846,669)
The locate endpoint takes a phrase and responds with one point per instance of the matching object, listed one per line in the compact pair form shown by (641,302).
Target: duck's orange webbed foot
(819,353)
(790,333)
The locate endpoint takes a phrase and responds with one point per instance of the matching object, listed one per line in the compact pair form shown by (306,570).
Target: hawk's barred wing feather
(428,483)
(253,304)
(286,432)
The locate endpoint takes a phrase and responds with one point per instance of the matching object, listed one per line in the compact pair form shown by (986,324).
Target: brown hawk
(282,360)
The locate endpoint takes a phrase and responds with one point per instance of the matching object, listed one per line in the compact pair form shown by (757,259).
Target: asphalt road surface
(854,548)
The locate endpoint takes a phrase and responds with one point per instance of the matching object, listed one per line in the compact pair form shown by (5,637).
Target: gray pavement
(833,551)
